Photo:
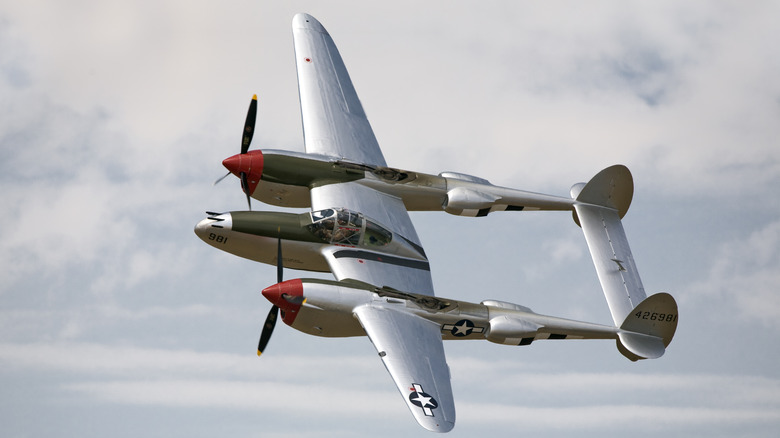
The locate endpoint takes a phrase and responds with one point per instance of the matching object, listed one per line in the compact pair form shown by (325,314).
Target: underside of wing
(401,273)
(412,351)
(334,122)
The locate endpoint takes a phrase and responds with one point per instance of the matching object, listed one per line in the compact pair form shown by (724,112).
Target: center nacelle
(254,235)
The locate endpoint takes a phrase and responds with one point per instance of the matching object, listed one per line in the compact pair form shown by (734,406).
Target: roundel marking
(422,400)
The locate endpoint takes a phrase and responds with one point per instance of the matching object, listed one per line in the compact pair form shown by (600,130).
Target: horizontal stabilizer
(612,258)
(599,206)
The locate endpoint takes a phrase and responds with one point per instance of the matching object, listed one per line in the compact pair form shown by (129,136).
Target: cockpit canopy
(340,226)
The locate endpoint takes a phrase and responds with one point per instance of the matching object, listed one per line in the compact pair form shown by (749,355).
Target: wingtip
(306,21)
(438,427)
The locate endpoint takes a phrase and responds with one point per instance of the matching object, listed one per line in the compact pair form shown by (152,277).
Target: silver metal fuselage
(254,235)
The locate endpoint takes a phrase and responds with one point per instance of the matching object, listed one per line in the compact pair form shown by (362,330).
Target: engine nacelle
(509,330)
(462,201)
(505,325)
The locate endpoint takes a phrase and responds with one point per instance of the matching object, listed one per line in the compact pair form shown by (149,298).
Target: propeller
(246,140)
(245,186)
(249,125)
(273,315)
(268,328)
(249,132)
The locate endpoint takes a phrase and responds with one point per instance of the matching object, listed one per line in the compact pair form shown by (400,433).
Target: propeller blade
(221,178)
(245,186)
(273,315)
(279,263)
(249,125)
(268,329)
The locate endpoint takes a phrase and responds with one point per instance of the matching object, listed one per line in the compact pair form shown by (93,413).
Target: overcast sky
(116,320)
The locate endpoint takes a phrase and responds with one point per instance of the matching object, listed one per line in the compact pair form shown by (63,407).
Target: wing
(334,122)
(412,351)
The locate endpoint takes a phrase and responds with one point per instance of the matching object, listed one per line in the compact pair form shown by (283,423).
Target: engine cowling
(462,201)
(511,331)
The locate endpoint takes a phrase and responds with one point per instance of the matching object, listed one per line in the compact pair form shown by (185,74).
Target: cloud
(547,96)
(317,399)
(101,361)
(325,386)
(619,417)
(746,272)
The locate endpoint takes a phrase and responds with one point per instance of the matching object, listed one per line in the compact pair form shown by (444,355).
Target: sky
(116,320)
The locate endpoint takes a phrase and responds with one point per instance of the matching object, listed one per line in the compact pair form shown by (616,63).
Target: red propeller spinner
(287,296)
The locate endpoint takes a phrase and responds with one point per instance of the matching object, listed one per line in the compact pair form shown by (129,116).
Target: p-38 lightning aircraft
(359,229)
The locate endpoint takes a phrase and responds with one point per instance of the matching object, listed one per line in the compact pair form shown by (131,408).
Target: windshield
(376,235)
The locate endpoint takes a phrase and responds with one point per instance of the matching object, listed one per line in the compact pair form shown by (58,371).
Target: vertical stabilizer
(648,328)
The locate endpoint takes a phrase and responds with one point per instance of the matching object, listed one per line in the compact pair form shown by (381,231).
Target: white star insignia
(424,401)
(462,329)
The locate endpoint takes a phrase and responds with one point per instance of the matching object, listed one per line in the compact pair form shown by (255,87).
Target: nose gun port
(208,229)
